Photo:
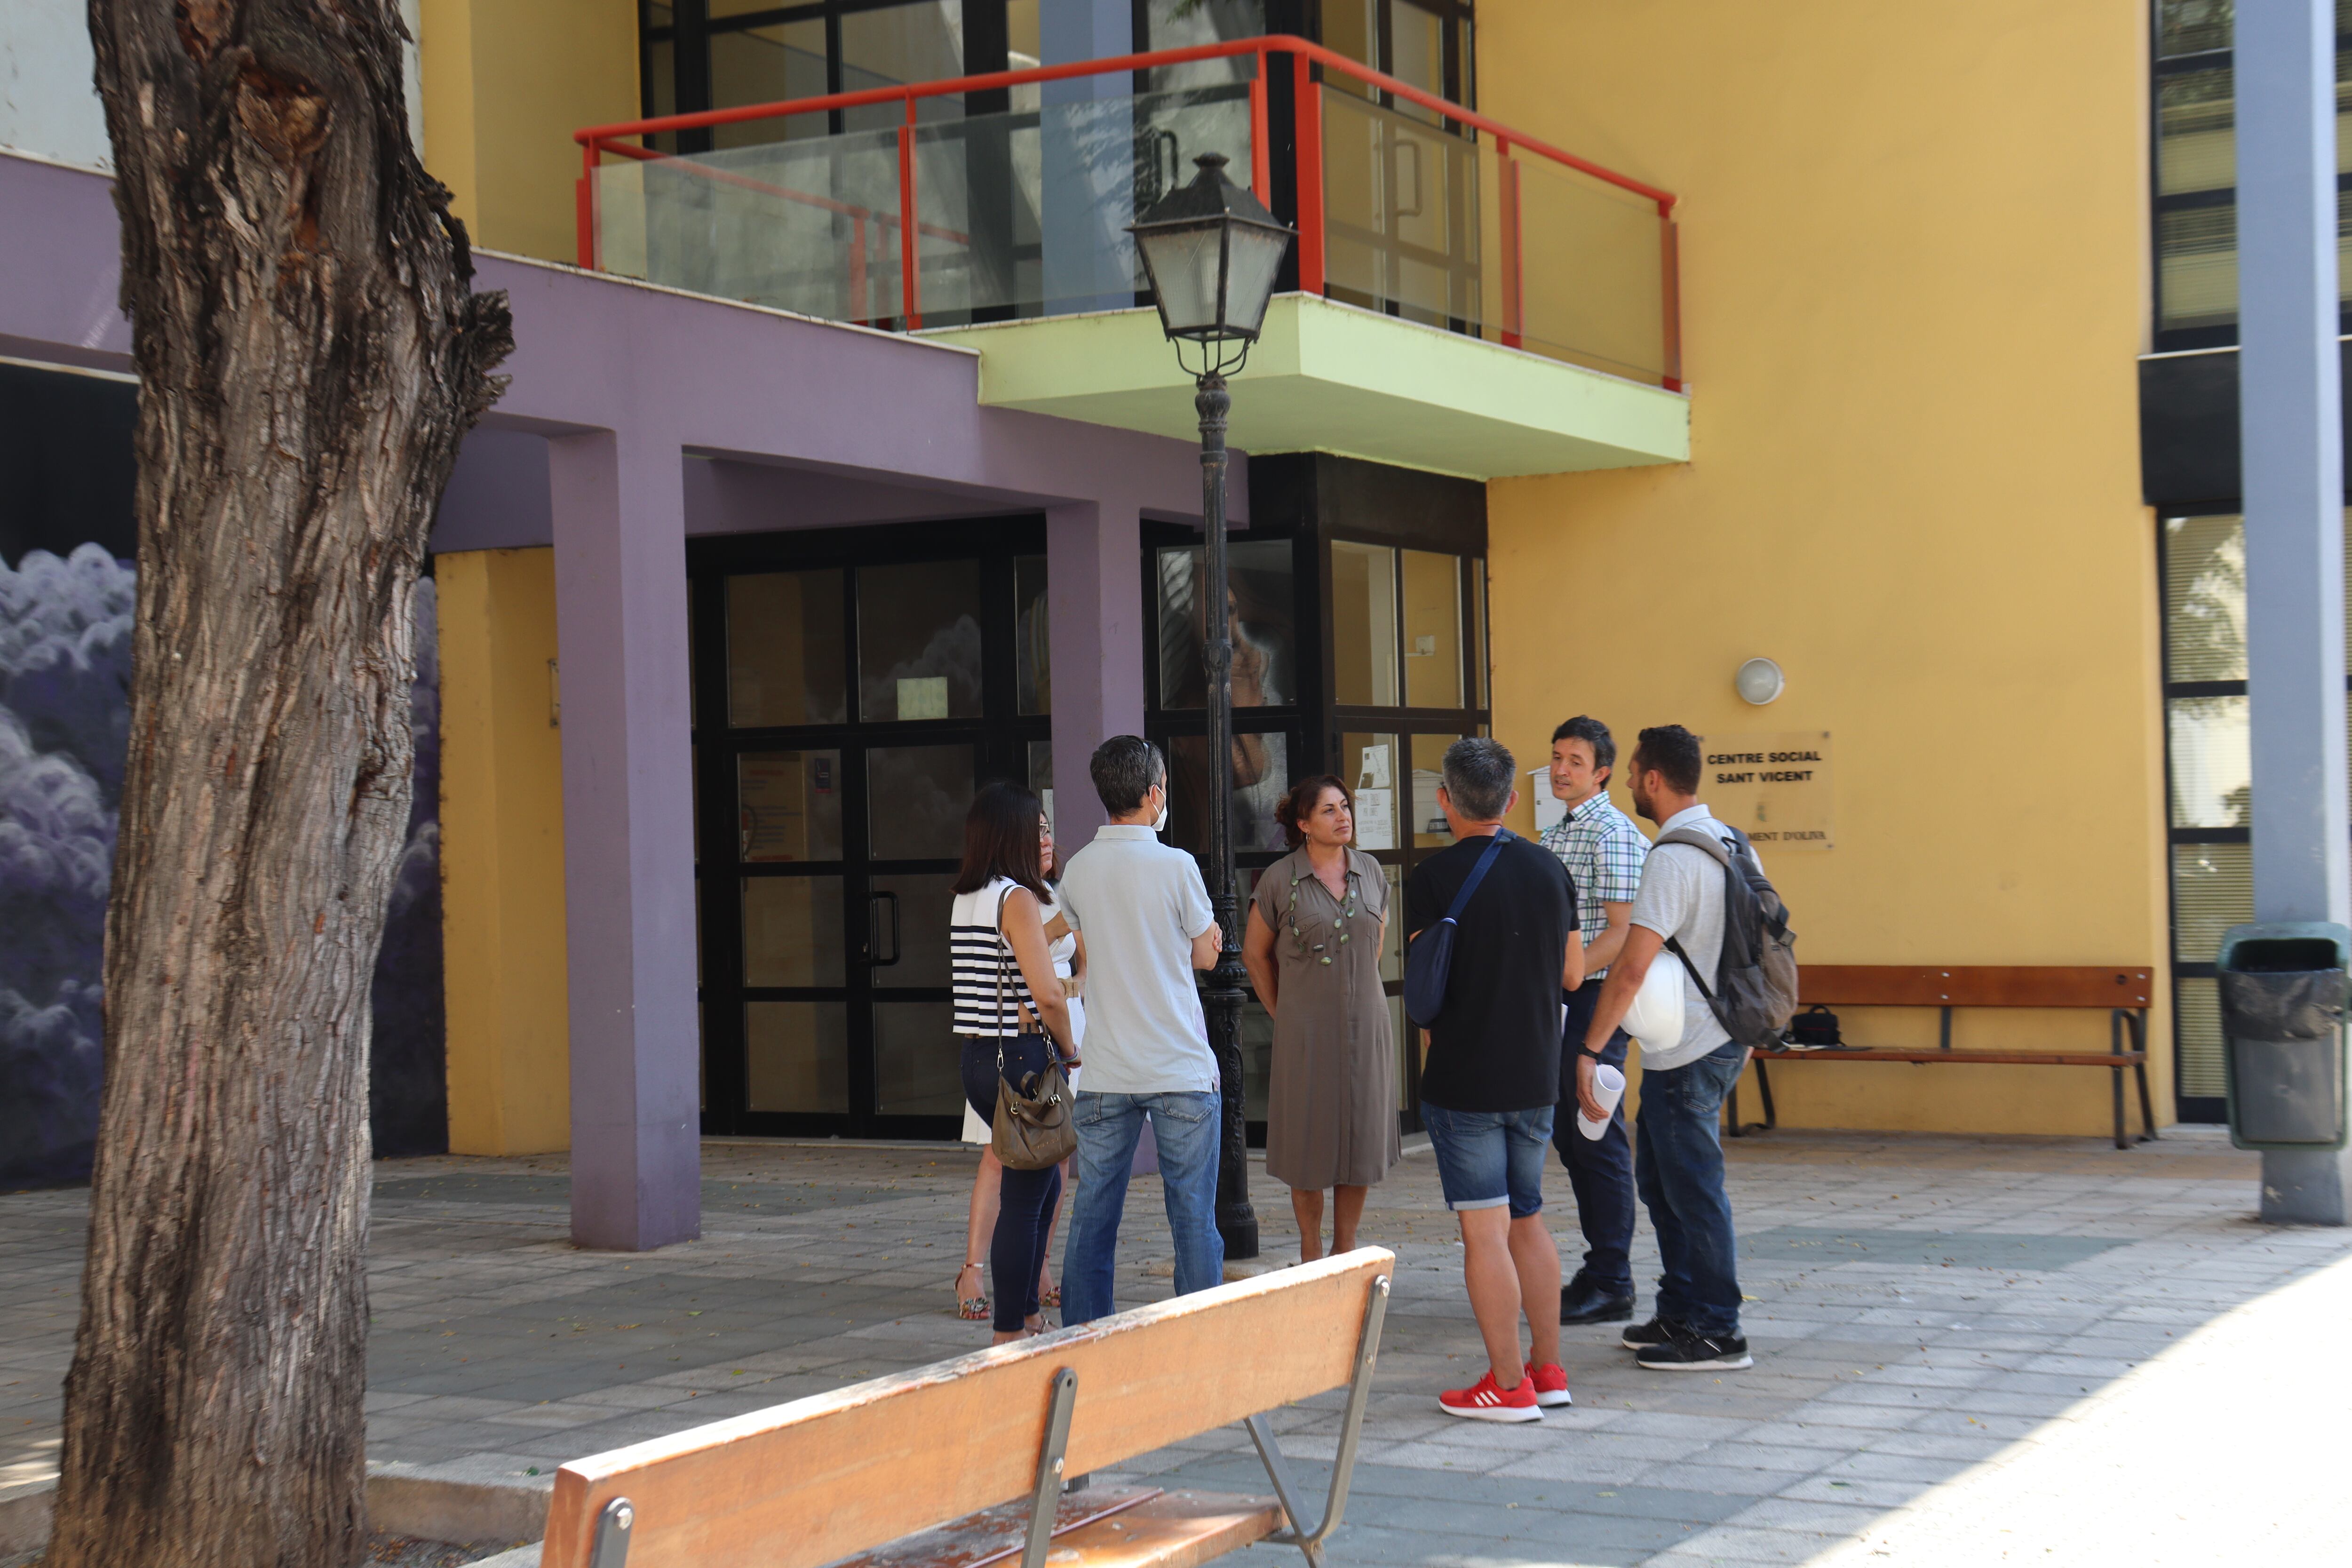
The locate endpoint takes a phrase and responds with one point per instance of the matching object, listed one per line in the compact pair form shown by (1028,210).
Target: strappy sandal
(972,1308)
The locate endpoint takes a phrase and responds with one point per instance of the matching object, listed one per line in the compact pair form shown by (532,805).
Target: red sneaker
(1550,1384)
(1483,1401)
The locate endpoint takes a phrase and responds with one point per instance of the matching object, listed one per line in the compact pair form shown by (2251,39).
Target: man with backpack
(1493,924)
(1702,898)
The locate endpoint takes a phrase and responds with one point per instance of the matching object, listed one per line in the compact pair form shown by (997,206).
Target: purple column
(1094,593)
(628,845)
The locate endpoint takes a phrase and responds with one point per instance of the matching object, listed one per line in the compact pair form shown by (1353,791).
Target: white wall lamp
(1759,680)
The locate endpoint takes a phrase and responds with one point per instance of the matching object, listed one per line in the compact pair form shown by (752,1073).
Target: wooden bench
(923,1469)
(2125,992)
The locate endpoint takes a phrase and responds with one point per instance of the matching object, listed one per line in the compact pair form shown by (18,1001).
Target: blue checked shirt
(1603,852)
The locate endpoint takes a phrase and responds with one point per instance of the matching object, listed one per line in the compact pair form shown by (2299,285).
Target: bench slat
(1176,1529)
(1978,985)
(822,1478)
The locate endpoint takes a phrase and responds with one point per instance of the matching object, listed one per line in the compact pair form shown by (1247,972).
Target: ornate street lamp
(1212,251)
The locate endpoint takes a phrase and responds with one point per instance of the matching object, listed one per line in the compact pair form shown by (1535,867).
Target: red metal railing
(1307,108)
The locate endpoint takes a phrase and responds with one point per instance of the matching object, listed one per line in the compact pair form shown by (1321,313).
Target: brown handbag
(1032,1128)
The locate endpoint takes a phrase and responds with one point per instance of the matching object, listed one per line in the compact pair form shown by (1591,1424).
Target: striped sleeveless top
(975,948)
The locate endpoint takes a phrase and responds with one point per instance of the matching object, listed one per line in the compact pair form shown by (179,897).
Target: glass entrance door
(852,689)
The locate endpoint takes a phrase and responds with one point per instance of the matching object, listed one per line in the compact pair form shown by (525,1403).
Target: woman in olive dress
(1313,949)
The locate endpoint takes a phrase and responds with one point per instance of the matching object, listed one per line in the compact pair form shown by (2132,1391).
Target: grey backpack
(1755,990)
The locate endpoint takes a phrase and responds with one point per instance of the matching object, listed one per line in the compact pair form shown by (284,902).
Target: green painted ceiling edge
(1326,376)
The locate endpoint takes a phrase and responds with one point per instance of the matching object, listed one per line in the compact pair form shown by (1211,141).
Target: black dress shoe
(1581,1301)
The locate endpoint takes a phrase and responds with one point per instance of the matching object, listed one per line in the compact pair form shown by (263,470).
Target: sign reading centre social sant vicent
(1773,788)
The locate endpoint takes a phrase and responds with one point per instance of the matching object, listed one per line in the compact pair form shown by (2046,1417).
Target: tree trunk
(310,356)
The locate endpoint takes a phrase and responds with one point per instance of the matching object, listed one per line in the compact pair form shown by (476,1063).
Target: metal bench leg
(1731,1112)
(1046,1501)
(1764,1088)
(2140,1070)
(1343,1461)
(2116,1074)
(609,1546)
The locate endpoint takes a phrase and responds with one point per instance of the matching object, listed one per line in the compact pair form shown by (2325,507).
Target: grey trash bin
(2284,991)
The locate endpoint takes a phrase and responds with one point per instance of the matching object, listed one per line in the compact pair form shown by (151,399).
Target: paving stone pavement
(1926,1312)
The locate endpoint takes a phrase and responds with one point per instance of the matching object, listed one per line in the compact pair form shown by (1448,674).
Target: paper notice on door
(1376,819)
(1373,774)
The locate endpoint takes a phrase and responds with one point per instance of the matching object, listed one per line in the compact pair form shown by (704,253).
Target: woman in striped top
(1010,1010)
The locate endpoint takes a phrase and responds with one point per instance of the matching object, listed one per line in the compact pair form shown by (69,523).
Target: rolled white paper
(1608,1088)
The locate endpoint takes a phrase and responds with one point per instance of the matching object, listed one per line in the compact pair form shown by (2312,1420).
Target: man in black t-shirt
(1493,1073)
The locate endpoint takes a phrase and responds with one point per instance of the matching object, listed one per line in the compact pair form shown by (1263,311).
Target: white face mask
(1160,825)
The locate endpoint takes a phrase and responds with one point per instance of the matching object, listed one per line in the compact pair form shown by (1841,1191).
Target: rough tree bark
(309,354)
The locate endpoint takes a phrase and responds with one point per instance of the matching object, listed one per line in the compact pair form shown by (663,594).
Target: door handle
(872,933)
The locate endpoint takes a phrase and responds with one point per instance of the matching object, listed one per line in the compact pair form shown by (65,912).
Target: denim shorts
(1489,1157)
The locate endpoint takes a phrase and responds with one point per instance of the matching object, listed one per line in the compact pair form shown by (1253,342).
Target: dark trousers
(1024,1212)
(1600,1170)
(1678,1162)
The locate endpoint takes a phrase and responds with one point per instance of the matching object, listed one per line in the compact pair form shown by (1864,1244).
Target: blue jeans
(1600,1170)
(1024,1212)
(1486,1159)
(1187,1129)
(1678,1166)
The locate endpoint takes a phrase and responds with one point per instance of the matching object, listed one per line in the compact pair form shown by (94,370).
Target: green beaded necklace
(1346,908)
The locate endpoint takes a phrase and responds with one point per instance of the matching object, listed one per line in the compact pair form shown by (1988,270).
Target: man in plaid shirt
(1603,852)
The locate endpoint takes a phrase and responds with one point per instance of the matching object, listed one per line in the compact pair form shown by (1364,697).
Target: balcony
(1466,298)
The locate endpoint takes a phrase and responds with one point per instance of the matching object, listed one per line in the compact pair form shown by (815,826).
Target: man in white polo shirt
(1148,925)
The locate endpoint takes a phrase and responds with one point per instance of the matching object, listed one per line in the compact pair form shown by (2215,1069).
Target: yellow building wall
(506,83)
(1914,239)
(502,854)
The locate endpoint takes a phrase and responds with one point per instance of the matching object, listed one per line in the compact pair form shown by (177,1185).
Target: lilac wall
(618,389)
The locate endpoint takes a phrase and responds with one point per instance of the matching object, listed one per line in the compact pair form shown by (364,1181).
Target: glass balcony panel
(1593,278)
(1026,213)
(805,225)
(1402,213)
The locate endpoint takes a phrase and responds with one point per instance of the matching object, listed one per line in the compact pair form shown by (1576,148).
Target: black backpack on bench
(1755,991)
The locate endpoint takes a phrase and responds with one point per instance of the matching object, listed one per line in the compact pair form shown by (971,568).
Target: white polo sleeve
(1194,913)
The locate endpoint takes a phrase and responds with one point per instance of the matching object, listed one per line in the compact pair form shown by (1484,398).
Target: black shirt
(1495,1046)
